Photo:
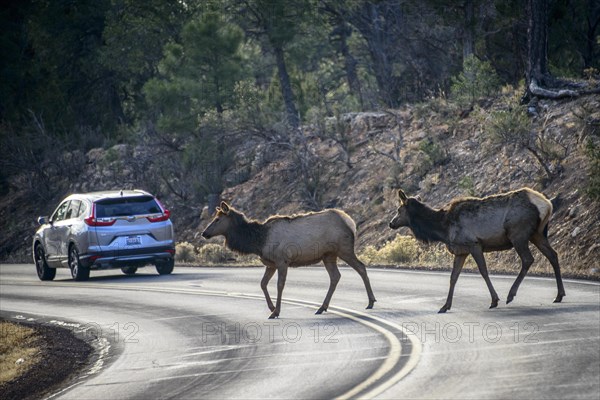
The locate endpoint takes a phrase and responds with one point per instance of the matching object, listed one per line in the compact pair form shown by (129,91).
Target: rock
(20,361)
(121,149)
(576,232)
(95,155)
(574,211)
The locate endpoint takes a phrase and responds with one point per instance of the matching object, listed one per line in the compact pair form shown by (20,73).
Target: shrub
(402,250)
(436,153)
(185,252)
(370,255)
(212,253)
(513,127)
(436,255)
(432,155)
(467,185)
(510,126)
(478,79)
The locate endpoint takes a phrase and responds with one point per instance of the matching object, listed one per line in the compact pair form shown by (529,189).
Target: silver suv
(123,229)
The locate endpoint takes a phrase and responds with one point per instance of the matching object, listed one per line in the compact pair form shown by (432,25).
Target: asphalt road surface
(204,333)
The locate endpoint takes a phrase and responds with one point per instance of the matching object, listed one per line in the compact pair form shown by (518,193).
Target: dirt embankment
(357,161)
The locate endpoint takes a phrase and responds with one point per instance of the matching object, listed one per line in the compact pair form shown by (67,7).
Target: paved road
(204,333)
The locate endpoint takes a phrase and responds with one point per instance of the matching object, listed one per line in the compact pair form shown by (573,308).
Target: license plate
(133,240)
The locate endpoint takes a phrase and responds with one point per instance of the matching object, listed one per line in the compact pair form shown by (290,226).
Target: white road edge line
(475,274)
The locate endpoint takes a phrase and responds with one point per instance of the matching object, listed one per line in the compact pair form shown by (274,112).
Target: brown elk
(473,226)
(292,241)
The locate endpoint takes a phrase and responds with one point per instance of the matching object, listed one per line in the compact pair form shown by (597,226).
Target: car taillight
(92,221)
(165,216)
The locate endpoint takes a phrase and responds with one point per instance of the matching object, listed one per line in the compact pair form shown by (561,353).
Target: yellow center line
(372,386)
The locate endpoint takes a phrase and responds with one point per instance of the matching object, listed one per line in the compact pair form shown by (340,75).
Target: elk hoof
(510,298)
(370,306)
(559,298)
(494,304)
(320,311)
(274,315)
(444,309)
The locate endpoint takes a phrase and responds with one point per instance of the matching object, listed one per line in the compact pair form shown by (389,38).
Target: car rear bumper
(127,257)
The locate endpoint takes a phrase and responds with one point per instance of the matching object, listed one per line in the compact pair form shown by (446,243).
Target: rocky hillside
(356,161)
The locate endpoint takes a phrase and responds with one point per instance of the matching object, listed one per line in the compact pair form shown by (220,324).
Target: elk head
(401,218)
(220,223)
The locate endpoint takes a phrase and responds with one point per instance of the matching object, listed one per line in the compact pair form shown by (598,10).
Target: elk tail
(556,203)
(349,222)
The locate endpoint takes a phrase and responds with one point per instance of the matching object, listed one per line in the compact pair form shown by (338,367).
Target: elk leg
(541,242)
(459,261)
(334,278)
(477,254)
(526,261)
(359,267)
(281,275)
(269,272)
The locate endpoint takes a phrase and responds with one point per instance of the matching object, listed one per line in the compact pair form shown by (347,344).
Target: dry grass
(218,254)
(211,254)
(185,252)
(405,250)
(17,343)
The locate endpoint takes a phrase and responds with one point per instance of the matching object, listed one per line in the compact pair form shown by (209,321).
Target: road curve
(203,332)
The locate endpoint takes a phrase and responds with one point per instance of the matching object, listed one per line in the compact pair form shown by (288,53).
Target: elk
(292,241)
(473,226)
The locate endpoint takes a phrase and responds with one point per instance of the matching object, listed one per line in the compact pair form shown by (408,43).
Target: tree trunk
(469,29)
(537,41)
(539,82)
(593,21)
(286,89)
(370,22)
(350,64)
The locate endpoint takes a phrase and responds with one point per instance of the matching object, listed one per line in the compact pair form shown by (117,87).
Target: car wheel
(129,270)
(78,272)
(44,272)
(165,267)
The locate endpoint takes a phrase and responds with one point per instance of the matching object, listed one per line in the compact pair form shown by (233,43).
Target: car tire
(44,272)
(165,267)
(78,271)
(129,270)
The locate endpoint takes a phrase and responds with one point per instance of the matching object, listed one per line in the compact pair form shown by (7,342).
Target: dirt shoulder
(59,356)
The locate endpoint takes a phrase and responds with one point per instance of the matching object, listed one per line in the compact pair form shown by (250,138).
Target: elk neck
(246,237)
(426,223)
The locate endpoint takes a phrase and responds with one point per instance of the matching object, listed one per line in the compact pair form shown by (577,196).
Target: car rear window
(125,206)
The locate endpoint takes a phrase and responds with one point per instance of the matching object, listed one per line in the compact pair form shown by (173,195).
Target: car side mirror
(43,220)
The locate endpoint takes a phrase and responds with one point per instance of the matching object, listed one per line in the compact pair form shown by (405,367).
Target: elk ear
(402,196)
(224,208)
